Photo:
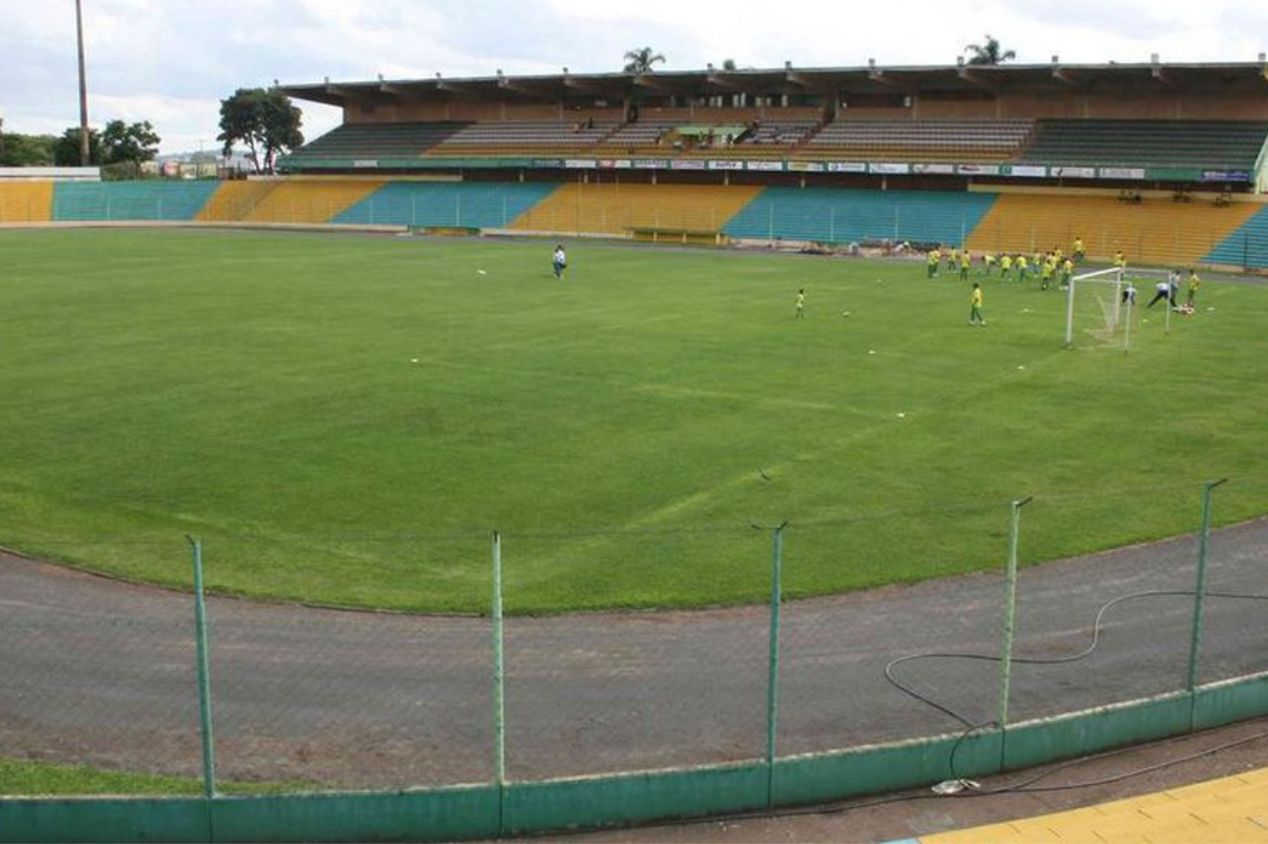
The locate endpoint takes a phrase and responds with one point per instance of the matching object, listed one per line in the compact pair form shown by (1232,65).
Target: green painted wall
(465,812)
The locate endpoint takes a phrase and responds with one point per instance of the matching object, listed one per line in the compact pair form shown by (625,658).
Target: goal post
(1101,304)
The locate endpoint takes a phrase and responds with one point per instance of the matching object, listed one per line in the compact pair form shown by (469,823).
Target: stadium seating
(921,140)
(642,136)
(25,202)
(551,137)
(622,209)
(1246,247)
(234,201)
(447,204)
(145,200)
(1152,231)
(1218,145)
(835,215)
(310,200)
(372,141)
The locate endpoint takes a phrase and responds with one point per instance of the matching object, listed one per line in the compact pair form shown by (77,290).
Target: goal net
(1104,308)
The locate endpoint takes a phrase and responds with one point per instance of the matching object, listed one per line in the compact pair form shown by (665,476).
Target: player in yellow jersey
(1005,266)
(801,304)
(1021,267)
(1058,254)
(1191,293)
(966,263)
(1078,250)
(1067,273)
(975,306)
(1045,274)
(935,257)
(988,264)
(1120,260)
(955,256)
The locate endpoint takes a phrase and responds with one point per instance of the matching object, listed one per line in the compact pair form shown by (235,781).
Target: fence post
(1010,611)
(499,682)
(1199,591)
(772,676)
(204,672)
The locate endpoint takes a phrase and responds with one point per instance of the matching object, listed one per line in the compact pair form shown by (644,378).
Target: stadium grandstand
(1167,162)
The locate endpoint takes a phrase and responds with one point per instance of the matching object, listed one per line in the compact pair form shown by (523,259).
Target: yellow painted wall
(1155,231)
(234,201)
(26,202)
(309,201)
(615,209)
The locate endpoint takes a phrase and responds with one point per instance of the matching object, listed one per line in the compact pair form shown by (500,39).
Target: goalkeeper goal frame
(1118,278)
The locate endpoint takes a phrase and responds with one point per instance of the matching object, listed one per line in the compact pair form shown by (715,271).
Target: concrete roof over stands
(791,80)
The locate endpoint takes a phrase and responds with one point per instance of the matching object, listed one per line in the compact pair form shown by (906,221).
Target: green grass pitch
(259,391)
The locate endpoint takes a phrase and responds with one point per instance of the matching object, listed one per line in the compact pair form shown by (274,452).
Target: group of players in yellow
(1044,265)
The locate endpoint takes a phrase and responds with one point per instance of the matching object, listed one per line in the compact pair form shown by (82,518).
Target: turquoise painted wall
(144,201)
(1246,247)
(840,215)
(462,204)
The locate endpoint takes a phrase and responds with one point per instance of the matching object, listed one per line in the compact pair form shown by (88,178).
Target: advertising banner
(579,163)
(978,169)
(806,166)
(766,165)
(933,168)
(650,164)
(889,168)
(686,164)
(1074,172)
(847,167)
(1026,171)
(726,165)
(1122,172)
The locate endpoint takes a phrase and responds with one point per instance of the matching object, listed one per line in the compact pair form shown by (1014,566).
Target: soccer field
(344,419)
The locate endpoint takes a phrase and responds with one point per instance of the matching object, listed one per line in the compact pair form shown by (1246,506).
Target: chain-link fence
(104,673)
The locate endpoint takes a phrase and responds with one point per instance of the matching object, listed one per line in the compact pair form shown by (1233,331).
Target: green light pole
(204,672)
(772,677)
(1199,591)
(1010,611)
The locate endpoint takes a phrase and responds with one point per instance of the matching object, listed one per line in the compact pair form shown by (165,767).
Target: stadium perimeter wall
(487,810)
(1154,227)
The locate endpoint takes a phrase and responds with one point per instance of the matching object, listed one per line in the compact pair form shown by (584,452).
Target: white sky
(171,61)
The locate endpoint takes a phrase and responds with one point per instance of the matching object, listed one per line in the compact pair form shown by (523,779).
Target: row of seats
(376,140)
(1222,145)
(1225,145)
(533,133)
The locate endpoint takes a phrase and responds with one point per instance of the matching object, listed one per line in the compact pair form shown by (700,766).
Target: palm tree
(989,52)
(640,60)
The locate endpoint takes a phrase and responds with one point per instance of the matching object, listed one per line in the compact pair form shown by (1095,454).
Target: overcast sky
(171,61)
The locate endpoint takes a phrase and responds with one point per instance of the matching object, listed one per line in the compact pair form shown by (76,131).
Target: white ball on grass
(902,415)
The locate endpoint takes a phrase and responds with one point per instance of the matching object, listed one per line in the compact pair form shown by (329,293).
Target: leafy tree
(265,121)
(25,150)
(121,142)
(640,60)
(989,52)
(729,64)
(66,148)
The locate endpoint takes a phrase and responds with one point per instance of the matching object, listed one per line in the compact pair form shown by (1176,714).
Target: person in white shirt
(560,262)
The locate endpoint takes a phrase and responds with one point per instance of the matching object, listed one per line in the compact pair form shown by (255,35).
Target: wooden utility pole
(83,88)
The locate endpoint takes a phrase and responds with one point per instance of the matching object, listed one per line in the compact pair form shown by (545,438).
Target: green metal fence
(371,725)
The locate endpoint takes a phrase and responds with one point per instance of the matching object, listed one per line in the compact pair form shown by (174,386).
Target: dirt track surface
(102,672)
